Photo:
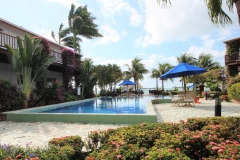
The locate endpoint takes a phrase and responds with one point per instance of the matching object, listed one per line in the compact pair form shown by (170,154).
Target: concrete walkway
(39,133)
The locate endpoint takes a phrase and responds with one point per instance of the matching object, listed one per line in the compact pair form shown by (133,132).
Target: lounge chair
(175,99)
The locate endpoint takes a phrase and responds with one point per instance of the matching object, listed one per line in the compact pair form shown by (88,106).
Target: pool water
(115,105)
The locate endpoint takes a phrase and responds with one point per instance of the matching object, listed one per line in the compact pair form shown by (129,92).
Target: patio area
(39,133)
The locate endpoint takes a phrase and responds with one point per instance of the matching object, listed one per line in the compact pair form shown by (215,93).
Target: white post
(78,90)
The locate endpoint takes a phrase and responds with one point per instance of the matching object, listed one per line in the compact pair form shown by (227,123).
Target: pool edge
(25,116)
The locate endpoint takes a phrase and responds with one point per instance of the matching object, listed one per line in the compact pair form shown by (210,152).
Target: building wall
(19,31)
(57,75)
(6,73)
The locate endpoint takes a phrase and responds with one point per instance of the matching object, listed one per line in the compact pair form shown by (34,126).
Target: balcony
(232,59)
(12,41)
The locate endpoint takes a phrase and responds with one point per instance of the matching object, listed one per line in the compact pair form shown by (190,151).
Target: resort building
(8,34)
(232,57)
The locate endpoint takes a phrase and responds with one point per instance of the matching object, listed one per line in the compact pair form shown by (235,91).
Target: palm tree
(102,76)
(206,61)
(163,68)
(61,34)
(215,10)
(155,74)
(187,58)
(87,73)
(136,71)
(116,74)
(81,23)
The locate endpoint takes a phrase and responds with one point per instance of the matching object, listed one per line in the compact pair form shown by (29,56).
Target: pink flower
(228,141)
(146,157)
(119,156)
(212,143)
(141,150)
(220,150)
(215,148)
(122,143)
(196,137)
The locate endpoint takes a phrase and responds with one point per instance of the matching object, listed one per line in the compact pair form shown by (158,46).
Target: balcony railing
(12,41)
(232,59)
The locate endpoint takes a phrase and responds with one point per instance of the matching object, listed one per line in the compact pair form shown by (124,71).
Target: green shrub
(58,153)
(69,97)
(234,91)
(10,98)
(74,141)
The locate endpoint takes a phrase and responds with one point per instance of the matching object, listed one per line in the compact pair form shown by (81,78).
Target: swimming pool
(115,105)
(42,114)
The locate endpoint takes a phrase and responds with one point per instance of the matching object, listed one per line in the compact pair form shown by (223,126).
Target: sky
(132,28)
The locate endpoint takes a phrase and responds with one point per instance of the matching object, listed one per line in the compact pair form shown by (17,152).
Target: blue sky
(132,28)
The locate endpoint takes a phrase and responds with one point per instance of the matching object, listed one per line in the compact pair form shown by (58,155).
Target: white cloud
(109,35)
(65,3)
(179,22)
(110,8)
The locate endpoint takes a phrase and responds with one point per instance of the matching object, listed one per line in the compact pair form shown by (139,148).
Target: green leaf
(40,72)
(9,53)
(28,45)
(22,50)
(16,61)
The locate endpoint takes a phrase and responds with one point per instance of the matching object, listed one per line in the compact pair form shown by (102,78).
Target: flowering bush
(68,60)
(233,80)
(215,138)
(74,142)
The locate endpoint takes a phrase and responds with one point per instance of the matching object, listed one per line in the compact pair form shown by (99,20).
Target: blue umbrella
(126,83)
(183,70)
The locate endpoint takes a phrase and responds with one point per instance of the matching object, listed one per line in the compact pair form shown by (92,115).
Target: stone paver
(39,133)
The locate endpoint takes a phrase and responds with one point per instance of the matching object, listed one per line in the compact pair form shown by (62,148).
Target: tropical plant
(206,61)
(114,75)
(187,58)
(215,10)
(136,70)
(25,58)
(81,23)
(163,68)
(155,74)
(87,73)
(61,34)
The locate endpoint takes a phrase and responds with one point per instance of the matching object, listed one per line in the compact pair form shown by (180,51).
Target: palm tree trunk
(237,3)
(157,83)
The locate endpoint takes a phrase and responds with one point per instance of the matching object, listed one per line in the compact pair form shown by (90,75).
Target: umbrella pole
(184,83)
